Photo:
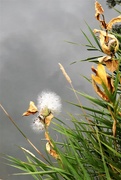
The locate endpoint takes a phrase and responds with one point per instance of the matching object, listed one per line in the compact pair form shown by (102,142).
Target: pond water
(33,35)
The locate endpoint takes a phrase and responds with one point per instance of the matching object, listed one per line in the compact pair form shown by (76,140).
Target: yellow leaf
(31,110)
(96,79)
(102,74)
(101,78)
(113,21)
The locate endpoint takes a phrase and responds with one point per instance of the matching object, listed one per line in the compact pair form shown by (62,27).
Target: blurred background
(33,35)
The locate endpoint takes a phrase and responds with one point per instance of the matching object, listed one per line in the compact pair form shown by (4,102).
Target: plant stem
(22,132)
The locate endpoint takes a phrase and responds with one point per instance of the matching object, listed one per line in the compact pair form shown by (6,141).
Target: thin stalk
(70,82)
(22,132)
(113,127)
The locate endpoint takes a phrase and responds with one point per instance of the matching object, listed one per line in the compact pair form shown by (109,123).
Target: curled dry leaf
(94,70)
(111,87)
(108,42)
(99,91)
(113,21)
(111,64)
(49,147)
(104,59)
(51,151)
(99,12)
(98,8)
(31,110)
(48,138)
(48,119)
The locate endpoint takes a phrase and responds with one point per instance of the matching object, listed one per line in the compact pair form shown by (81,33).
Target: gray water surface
(32,43)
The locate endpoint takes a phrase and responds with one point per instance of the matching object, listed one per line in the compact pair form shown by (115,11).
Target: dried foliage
(31,110)
(110,46)
(113,21)
(111,63)
(50,147)
(99,14)
(109,43)
(104,80)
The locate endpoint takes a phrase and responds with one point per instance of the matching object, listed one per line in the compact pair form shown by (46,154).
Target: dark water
(32,43)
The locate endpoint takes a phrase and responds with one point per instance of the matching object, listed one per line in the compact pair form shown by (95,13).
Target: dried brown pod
(51,151)
(99,91)
(100,17)
(111,64)
(98,8)
(99,12)
(49,146)
(113,21)
(108,42)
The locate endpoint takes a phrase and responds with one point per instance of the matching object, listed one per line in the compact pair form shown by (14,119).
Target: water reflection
(32,45)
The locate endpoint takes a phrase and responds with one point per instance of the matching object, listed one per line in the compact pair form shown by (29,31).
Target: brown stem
(114,127)
(114,122)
